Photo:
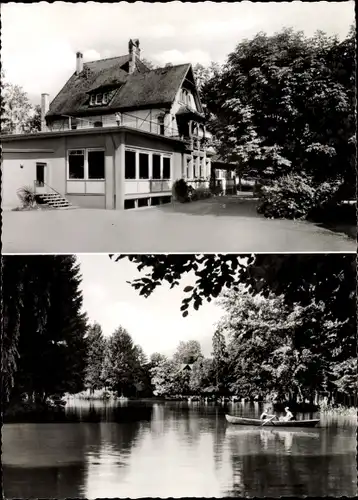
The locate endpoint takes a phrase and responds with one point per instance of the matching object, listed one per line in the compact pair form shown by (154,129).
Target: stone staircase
(55,200)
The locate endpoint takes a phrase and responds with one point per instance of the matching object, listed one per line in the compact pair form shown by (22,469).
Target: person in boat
(288,416)
(266,414)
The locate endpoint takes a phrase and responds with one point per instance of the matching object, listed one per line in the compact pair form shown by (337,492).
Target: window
(188,162)
(129,170)
(128,204)
(166,168)
(105,98)
(161,124)
(99,98)
(143,166)
(156,167)
(98,124)
(143,202)
(195,173)
(76,164)
(96,165)
(92,99)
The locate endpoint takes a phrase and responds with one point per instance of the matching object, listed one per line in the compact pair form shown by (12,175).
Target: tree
(12,282)
(16,110)
(285,103)
(164,378)
(220,360)
(123,362)
(96,348)
(202,375)
(48,327)
(299,277)
(156,358)
(187,352)
(34,121)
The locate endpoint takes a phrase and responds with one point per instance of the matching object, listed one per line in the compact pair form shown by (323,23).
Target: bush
(27,197)
(180,190)
(203,193)
(291,197)
(245,187)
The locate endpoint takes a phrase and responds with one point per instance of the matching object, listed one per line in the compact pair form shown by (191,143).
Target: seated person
(288,416)
(266,413)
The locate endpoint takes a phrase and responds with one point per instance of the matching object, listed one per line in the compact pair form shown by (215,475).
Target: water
(174,450)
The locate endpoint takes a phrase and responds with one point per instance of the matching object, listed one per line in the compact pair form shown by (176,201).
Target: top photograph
(178,127)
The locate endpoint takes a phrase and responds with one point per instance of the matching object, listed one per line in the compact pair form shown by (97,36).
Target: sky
(40,40)
(155,323)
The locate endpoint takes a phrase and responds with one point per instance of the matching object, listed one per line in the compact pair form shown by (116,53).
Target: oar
(268,420)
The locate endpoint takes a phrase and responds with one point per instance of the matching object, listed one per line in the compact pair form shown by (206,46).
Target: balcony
(102,121)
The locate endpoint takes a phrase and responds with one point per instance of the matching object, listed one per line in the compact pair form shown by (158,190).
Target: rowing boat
(273,423)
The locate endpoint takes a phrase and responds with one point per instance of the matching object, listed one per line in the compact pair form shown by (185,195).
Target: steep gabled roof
(142,88)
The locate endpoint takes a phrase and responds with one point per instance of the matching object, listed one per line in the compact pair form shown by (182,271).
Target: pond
(169,449)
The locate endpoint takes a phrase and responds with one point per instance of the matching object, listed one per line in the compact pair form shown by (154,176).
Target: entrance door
(40,176)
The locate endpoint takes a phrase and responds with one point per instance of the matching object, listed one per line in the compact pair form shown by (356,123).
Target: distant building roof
(143,88)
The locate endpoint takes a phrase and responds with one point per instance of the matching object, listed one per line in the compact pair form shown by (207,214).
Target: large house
(116,136)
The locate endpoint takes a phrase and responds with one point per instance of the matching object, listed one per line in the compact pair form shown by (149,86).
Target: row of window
(86,164)
(89,164)
(102,98)
(140,165)
(146,202)
(198,170)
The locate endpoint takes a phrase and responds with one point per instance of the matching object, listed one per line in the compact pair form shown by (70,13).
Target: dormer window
(101,98)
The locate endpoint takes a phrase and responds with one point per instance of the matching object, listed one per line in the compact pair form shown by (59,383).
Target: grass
(96,395)
(339,416)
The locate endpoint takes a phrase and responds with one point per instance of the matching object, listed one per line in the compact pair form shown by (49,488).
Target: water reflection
(170,449)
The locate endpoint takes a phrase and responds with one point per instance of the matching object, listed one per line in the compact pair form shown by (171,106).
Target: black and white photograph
(178,127)
(179,244)
(179,376)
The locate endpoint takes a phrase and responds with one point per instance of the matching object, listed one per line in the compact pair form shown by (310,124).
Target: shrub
(245,187)
(292,197)
(27,197)
(203,192)
(180,190)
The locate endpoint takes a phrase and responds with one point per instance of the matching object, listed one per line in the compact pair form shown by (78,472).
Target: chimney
(134,52)
(44,110)
(79,62)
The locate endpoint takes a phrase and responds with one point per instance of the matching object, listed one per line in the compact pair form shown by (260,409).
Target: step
(55,200)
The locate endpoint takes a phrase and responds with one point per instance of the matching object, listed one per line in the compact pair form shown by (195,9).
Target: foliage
(291,197)
(295,196)
(285,104)
(201,376)
(27,196)
(187,352)
(12,285)
(96,347)
(34,121)
(47,328)
(165,378)
(220,361)
(123,362)
(16,110)
(306,320)
(180,190)
(300,278)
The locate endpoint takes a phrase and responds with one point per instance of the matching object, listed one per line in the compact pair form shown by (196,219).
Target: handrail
(53,189)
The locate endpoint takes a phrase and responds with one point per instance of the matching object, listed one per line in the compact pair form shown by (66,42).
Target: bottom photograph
(179,375)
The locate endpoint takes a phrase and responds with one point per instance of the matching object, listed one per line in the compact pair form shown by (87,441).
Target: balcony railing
(127,120)
(141,186)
